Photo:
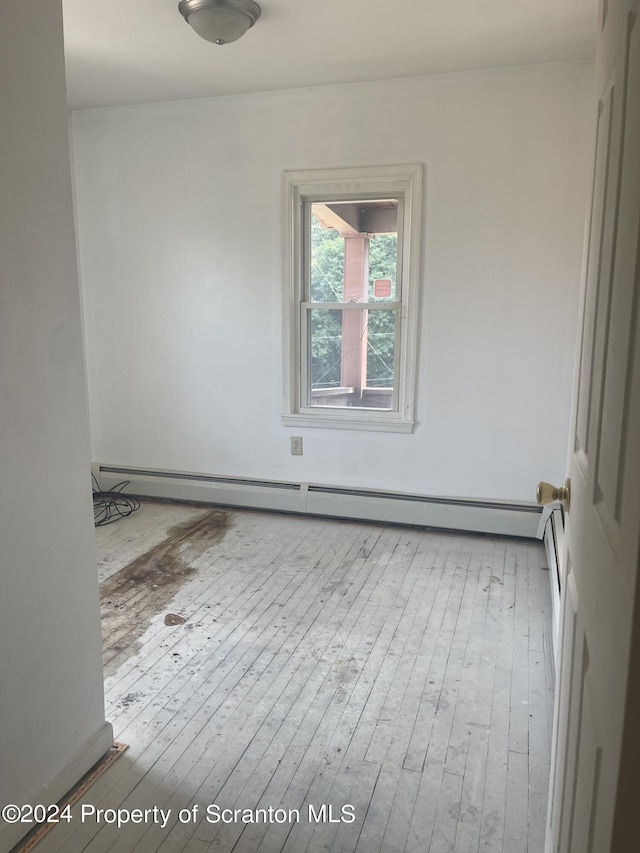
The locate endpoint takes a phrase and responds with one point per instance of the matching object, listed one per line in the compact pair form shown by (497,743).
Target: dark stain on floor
(131,597)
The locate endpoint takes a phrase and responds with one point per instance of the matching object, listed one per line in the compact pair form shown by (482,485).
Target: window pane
(326,348)
(327,263)
(381,339)
(351,357)
(353,251)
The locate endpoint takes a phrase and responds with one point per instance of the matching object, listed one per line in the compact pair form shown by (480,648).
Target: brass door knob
(546,494)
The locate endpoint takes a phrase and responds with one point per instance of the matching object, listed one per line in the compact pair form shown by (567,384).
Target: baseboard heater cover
(477,516)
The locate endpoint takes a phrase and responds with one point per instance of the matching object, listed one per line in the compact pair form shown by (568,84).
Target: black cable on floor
(112,505)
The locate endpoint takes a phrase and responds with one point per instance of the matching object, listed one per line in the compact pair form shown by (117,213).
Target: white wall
(52,726)
(179,229)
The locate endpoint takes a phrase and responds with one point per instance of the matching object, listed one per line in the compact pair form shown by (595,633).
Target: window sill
(364,421)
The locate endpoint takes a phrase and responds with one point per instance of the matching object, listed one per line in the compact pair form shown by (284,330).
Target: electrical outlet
(296,445)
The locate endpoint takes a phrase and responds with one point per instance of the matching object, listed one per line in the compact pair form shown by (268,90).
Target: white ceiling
(139,51)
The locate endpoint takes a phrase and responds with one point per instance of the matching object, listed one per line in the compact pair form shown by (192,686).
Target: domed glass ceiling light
(220,21)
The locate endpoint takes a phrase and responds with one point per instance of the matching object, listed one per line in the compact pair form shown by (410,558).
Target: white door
(596,742)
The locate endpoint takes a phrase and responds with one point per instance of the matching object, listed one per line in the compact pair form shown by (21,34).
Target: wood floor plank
(440,696)
(446,822)
(477,708)
(516,830)
(402,808)
(434,656)
(494,799)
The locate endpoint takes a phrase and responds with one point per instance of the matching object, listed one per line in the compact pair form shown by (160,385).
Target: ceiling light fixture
(220,21)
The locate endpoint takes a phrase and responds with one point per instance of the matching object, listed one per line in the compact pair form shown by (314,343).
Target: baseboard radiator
(506,519)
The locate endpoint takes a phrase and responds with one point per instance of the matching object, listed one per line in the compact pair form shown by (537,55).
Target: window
(351,266)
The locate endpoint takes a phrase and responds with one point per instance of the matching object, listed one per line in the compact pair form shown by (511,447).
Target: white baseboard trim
(59,783)
(477,516)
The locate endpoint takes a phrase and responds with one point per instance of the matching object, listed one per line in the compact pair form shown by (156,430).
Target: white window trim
(404,181)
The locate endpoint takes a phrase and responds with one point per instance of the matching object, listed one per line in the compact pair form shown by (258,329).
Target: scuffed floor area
(335,686)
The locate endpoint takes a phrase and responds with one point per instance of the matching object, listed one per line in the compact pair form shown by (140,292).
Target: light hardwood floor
(405,673)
